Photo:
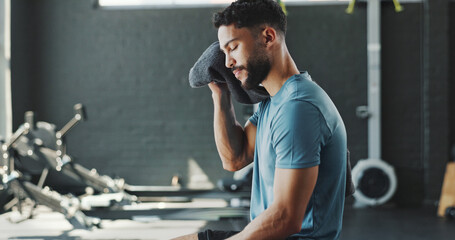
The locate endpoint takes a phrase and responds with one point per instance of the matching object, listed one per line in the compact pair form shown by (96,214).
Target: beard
(258,67)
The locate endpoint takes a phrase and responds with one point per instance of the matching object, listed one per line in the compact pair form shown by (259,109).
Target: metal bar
(374,78)
(5,72)
(92,178)
(208,214)
(170,191)
(68,206)
(43,177)
(29,118)
(73,122)
(49,199)
(21,131)
(7,159)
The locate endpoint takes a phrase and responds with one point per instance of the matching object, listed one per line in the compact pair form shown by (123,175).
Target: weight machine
(37,150)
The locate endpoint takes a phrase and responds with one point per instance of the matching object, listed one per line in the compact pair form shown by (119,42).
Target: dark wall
(401,98)
(436,69)
(130,69)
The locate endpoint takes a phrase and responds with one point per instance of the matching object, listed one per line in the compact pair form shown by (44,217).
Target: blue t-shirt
(300,127)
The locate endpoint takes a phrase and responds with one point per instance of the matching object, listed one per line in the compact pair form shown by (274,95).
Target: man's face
(245,55)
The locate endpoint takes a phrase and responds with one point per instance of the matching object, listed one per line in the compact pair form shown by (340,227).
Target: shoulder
(296,106)
(298,112)
(301,87)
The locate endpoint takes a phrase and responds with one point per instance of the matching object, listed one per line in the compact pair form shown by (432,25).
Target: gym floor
(384,222)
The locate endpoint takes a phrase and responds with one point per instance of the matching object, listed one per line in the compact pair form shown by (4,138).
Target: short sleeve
(298,133)
(254,118)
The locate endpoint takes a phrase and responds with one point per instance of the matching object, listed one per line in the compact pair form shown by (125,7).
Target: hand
(219,89)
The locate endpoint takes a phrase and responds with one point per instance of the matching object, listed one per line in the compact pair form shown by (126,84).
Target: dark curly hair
(251,14)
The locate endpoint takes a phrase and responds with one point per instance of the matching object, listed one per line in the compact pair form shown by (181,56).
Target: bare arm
(292,190)
(235,144)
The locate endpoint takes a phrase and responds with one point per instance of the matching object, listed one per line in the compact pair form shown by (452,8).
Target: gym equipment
(37,150)
(43,150)
(27,195)
(374,179)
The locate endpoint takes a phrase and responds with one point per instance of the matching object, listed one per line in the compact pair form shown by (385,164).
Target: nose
(229,62)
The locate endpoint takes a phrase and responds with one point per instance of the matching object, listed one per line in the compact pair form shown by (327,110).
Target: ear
(269,35)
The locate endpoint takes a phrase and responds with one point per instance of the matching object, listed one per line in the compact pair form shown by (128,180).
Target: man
(296,138)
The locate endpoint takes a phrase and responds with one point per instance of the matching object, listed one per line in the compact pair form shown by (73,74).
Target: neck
(283,67)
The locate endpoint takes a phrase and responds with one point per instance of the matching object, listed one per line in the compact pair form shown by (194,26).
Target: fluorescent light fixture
(141,4)
(188,3)
(159,3)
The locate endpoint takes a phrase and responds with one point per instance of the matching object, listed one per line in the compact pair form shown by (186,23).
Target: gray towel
(210,67)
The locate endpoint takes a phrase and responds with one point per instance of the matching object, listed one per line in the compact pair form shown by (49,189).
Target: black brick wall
(130,70)
(402,97)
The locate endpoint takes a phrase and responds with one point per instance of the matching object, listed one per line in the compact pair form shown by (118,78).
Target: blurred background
(129,67)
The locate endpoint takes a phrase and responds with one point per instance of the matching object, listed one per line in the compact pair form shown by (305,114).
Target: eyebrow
(226,44)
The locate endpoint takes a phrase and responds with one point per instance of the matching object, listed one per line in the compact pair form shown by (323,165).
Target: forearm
(229,134)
